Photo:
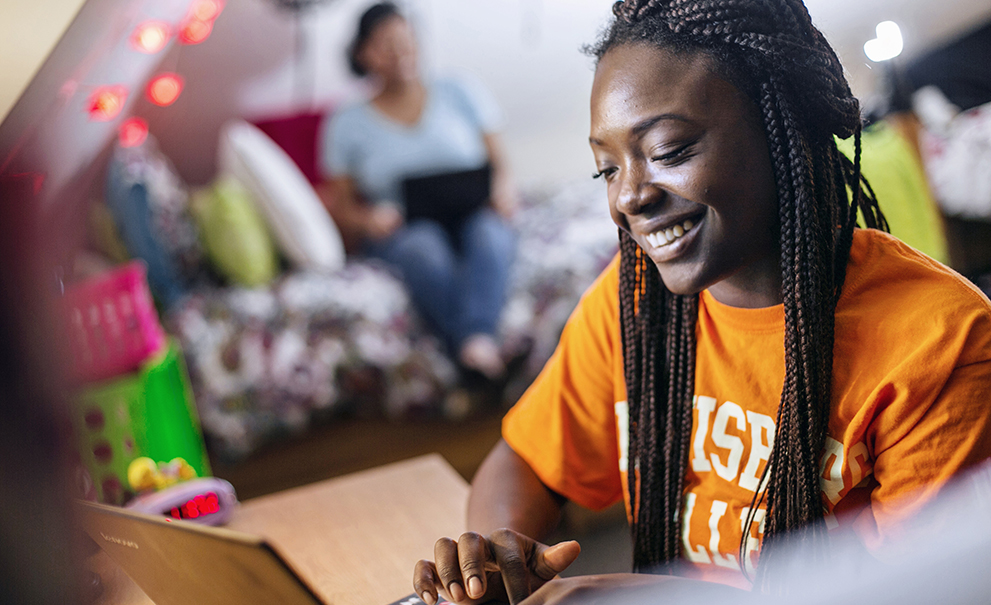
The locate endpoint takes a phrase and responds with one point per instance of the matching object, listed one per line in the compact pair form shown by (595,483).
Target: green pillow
(235,236)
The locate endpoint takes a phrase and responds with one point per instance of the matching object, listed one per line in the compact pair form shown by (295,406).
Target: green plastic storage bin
(149,413)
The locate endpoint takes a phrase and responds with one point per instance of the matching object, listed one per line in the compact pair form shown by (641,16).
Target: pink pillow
(297,135)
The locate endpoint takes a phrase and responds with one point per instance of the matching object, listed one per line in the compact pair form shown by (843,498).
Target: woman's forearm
(504,198)
(506,493)
(340,197)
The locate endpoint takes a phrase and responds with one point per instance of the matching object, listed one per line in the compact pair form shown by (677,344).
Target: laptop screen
(178,563)
(449,197)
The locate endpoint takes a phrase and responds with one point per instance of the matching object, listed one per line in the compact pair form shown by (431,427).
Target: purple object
(207,501)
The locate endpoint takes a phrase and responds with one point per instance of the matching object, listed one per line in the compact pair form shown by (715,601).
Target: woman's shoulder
(351,125)
(901,296)
(460,84)
(465,91)
(350,112)
(605,288)
(598,307)
(883,267)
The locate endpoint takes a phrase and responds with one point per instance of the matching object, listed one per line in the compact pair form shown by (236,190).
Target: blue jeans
(460,287)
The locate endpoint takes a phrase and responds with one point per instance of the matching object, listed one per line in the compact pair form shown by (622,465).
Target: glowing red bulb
(195,31)
(163,90)
(206,10)
(191,510)
(133,132)
(106,103)
(150,37)
(199,22)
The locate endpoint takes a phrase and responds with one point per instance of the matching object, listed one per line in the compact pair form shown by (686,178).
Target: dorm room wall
(526,51)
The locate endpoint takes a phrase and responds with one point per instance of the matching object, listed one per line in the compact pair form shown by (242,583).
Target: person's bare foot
(481,352)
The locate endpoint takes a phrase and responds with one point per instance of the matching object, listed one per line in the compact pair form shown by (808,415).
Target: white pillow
(302,227)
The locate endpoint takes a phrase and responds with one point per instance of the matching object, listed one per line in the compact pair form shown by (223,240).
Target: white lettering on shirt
(831,470)
(725,441)
(622,410)
(698,554)
(860,463)
(832,478)
(761,442)
(752,543)
(839,472)
(705,407)
(715,514)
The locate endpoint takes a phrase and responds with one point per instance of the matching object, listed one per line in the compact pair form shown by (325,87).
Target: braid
(770,50)
(655,470)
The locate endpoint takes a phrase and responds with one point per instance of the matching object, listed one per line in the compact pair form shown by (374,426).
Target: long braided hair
(771,51)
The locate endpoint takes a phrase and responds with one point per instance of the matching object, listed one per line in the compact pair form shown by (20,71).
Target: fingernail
(560,545)
(474,587)
(427,598)
(457,593)
(555,548)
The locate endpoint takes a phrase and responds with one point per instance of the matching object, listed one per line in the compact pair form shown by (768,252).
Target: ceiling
(925,24)
(28,31)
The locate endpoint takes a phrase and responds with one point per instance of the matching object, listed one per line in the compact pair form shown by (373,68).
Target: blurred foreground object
(943,556)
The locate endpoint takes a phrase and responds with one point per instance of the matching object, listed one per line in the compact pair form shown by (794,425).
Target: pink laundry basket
(112,322)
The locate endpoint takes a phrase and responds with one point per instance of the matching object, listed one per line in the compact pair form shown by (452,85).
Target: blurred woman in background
(414,127)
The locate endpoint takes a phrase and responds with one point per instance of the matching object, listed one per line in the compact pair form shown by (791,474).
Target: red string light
(164,89)
(206,10)
(106,102)
(195,31)
(198,24)
(151,36)
(133,132)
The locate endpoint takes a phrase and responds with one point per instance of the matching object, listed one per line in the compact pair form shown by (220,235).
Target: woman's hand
(504,565)
(504,198)
(383,220)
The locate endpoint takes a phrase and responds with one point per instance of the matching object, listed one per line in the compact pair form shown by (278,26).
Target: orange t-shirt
(910,405)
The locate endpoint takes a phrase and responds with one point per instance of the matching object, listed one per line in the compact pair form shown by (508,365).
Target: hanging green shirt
(897,177)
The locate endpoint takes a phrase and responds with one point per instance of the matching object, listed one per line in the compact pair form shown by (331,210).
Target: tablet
(178,562)
(449,197)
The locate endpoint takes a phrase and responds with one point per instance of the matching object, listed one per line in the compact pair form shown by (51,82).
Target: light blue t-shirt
(378,152)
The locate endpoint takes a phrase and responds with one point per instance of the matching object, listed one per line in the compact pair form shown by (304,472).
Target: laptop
(449,197)
(179,563)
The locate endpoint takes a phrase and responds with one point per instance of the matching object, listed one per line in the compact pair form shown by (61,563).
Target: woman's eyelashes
(675,157)
(605,172)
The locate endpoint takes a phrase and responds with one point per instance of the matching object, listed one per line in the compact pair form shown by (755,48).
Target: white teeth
(662,238)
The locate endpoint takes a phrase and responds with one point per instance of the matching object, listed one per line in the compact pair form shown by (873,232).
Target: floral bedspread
(269,362)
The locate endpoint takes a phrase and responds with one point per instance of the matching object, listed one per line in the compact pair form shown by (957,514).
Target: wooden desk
(354,539)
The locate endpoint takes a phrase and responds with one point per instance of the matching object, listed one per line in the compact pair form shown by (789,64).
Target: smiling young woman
(688,173)
(753,368)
